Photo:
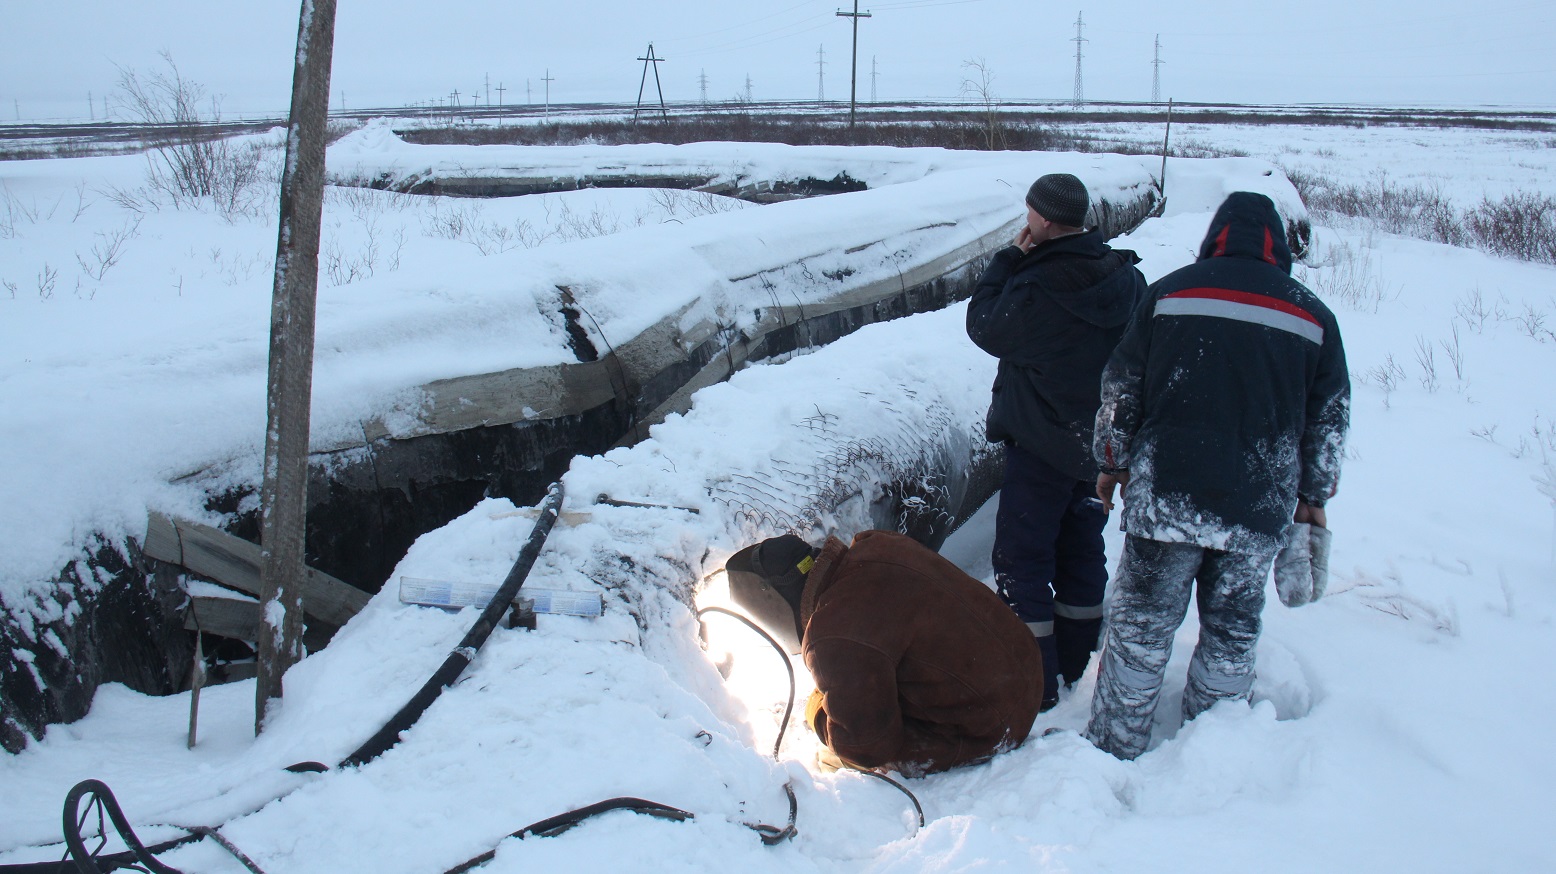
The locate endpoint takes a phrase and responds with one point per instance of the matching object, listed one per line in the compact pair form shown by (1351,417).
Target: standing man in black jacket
(1224,412)
(1051,307)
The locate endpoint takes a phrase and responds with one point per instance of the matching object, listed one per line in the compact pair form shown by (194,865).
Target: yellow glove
(813,706)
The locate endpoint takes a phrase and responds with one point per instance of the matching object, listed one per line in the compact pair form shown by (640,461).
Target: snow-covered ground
(1398,724)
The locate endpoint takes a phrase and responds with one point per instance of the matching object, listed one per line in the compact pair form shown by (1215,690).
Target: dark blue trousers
(1049,561)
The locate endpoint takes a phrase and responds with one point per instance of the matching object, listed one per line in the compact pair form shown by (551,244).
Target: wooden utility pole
(283,497)
(853,77)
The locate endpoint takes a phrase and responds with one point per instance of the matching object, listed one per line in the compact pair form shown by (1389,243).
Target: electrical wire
(789,666)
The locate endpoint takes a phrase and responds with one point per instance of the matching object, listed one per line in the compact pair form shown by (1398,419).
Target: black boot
(1074,642)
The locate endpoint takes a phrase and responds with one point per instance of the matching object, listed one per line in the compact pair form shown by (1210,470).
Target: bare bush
(106,251)
(46,279)
(1455,353)
(1520,225)
(189,159)
(1475,311)
(1426,357)
(1386,376)
(1347,275)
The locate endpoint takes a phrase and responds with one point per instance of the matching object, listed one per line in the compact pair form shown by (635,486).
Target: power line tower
(874,74)
(702,80)
(821,79)
(1080,93)
(1156,72)
(650,59)
(748,87)
(853,75)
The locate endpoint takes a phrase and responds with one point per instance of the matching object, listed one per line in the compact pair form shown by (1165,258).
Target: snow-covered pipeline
(695,302)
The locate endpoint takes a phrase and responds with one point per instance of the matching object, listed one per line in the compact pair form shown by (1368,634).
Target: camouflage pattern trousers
(1150,600)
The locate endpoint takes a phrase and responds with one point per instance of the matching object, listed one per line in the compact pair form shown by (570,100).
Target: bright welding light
(752,669)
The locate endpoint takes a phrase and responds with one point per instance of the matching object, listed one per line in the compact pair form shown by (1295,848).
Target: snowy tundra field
(1399,724)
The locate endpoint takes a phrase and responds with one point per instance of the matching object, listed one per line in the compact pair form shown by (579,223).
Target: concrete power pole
(650,59)
(853,76)
(283,496)
(874,75)
(1080,93)
(91,108)
(548,80)
(488,79)
(1156,72)
(821,78)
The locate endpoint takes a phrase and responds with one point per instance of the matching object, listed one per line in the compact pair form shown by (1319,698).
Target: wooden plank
(239,620)
(234,562)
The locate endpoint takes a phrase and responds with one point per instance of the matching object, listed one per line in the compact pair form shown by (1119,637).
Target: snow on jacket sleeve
(1328,419)
(1118,419)
(991,315)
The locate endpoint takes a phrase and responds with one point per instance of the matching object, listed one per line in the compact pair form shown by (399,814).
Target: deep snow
(1398,724)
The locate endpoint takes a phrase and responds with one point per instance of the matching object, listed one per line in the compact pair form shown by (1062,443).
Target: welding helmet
(766,580)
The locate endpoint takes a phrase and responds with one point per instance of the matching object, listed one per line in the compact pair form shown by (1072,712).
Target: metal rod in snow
(283,494)
(1165,137)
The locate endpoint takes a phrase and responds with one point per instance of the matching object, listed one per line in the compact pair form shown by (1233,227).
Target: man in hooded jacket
(918,666)
(1224,413)
(1051,307)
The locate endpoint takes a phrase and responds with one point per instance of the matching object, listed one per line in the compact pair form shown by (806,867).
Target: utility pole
(1080,93)
(489,89)
(1156,72)
(874,74)
(529,100)
(548,80)
(500,90)
(702,80)
(91,108)
(853,76)
(821,77)
(650,59)
(283,496)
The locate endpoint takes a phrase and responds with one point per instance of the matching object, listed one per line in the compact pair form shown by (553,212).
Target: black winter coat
(1052,316)
(1228,397)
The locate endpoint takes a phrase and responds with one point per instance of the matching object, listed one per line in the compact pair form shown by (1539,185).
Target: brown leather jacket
(921,667)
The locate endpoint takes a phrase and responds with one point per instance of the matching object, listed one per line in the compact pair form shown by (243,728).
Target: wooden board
(234,562)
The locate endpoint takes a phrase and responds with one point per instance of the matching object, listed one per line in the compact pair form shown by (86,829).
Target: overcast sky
(53,53)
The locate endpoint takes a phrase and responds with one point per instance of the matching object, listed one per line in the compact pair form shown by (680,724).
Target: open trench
(116,614)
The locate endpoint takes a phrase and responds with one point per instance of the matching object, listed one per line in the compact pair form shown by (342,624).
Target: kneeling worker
(918,666)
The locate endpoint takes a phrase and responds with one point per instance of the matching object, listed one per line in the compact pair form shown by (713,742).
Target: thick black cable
(787,664)
(465,653)
(770,834)
(917,808)
(208,832)
(555,825)
(88,862)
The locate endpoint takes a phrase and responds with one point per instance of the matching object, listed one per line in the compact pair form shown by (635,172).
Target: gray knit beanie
(1061,198)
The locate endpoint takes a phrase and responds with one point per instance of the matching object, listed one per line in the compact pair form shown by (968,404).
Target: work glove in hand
(1302,567)
(813,706)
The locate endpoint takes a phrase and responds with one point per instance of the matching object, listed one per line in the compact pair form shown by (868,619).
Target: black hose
(787,664)
(465,653)
(87,861)
(917,808)
(555,825)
